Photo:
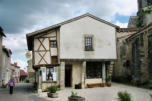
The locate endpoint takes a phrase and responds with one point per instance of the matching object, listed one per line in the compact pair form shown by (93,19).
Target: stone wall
(0,59)
(134,58)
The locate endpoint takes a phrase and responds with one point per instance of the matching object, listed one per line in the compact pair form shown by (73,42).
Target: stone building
(140,59)
(1,38)
(31,71)
(6,64)
(79,51)
(121,72)
(23,75)
(15,72)
(144,14)
(134,50)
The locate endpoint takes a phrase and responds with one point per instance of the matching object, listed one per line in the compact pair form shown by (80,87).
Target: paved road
(21,93)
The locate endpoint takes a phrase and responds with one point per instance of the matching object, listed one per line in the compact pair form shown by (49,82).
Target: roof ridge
(68,21)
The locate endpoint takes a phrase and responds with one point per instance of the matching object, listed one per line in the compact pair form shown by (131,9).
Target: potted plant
(124,96)
(109,81)
(52,92)
(75,97)
(102,84)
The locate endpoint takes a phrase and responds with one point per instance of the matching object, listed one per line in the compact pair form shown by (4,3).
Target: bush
(150,95)
(52,89)
(27,81)
(4,86)
(124,96)
(74,94)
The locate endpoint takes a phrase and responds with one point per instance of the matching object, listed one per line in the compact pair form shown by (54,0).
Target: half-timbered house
(76,52)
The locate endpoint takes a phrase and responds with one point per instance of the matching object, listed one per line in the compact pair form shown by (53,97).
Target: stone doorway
(68,75)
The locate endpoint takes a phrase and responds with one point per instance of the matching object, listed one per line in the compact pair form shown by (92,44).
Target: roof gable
(68,21)
(30,36)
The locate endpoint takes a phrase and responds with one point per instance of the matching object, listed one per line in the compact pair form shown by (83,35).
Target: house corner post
(103,72)
(62,75)
(83,74)
(40,81)
(110,70)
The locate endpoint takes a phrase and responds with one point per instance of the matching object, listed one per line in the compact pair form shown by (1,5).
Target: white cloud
(21,63)
(122,25)
(17,44)
(124,7)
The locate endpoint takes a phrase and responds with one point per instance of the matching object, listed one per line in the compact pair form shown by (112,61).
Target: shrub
(27,81)
(124,96)
(75,95)
(52,89)
(150,95)
(4,86)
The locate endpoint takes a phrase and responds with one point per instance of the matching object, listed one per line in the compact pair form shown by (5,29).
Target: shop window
(93,70)
(49,74)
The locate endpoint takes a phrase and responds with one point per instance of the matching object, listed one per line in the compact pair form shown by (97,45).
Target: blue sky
(19,17)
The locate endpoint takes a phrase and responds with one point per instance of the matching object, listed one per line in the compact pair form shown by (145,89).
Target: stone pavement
(21,93)
(103,93)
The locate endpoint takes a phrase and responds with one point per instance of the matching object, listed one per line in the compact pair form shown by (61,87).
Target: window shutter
(43,73)
(55,74)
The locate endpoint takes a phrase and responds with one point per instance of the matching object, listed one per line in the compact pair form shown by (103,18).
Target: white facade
(6,64)
(67,62)
(72,40)
(15,72)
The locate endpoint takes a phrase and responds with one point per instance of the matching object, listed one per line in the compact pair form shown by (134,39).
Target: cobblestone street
(104,93)
(21,93)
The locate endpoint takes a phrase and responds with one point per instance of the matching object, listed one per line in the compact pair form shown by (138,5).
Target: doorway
(68,75)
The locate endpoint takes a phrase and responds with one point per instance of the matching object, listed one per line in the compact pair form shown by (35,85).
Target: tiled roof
(140,31)
(15,65)
(127,29)
(22,73)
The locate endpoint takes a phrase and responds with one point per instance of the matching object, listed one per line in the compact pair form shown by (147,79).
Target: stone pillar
(62,75)
(83,74)
(110,69)
(39,82)
(103,72)
(0,60)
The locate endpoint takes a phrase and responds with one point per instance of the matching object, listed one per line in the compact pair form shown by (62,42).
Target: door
(68,75)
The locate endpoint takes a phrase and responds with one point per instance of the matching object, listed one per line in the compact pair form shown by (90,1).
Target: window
(54,60)
(49,73)
(88,44)
(53,43)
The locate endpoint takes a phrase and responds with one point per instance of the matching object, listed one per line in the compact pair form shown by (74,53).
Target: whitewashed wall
(72,40)
(6,61)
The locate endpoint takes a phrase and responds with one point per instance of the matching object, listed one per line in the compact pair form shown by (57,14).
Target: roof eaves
(142,29)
